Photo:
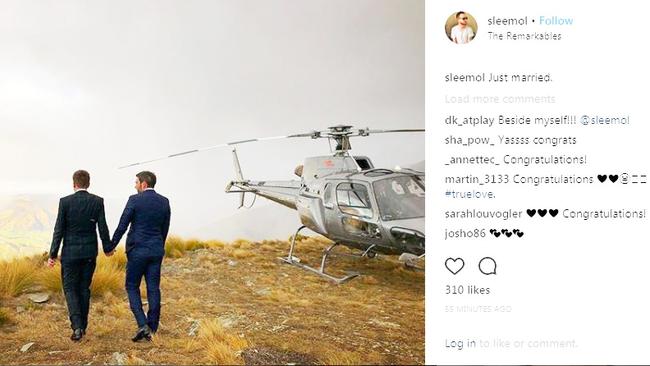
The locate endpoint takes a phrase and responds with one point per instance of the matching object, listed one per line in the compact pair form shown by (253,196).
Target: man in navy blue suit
(148,213)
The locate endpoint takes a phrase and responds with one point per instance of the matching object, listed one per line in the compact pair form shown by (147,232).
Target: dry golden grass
(134,360)
(119,258)
(256,304)
(50,278)
(215,244)
(300,237)
(267,247)
(173,253)
(286,296)
(176,247)
(194,244)
(108,278)
(5,317)
(220,347)
(239,249)
(241,244)
(189,302)
(241,253)
(17,276)
(339,357)
(369,280)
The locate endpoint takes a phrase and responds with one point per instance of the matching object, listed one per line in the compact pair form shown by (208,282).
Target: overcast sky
(98,84)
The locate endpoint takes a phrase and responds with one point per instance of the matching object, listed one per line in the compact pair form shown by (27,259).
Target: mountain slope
(25,215)
(26,224)
(236,303)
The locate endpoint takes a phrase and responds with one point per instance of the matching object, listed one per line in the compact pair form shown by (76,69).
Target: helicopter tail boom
(282,192)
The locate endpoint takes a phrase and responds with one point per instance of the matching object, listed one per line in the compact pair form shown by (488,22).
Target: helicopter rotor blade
(336,132)
(369,131)
(313,134)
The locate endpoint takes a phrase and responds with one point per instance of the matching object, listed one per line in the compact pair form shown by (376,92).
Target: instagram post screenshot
(212,182)
(242,182)
(537,167)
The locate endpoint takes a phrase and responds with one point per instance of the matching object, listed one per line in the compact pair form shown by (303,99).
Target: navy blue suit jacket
(148,213)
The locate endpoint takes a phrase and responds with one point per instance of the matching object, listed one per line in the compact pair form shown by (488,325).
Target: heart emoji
(602,178)
(553,212)
(454,265)
(520,233)
(515,231)
(530,212)
(542,212)
(503,231)
(497,234)
(508,234)
(492,231)
(613,178)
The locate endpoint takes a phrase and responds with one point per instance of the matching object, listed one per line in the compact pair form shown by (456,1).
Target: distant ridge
(26,224)
(23,214)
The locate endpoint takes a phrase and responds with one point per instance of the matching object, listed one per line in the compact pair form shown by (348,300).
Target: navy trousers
(77,274)
(149,267)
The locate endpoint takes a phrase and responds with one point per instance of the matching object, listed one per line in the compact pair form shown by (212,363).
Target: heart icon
(497,234)
(530,212)
(492,231)
(508,234)
(454,265)
(503,231)
(541,212)
(602,178)
(515,231)
(553,212)
(613,178)
(520,233)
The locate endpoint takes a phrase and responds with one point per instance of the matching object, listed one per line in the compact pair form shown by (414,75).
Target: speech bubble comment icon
(487,266)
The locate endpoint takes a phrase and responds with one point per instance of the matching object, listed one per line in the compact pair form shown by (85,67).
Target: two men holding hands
(79,216)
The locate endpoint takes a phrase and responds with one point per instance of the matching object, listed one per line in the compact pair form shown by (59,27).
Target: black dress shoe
(77,334)
(143,333)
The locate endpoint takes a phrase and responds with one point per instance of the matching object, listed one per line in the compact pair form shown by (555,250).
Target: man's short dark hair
(81,179)
(148,177)
(459,13)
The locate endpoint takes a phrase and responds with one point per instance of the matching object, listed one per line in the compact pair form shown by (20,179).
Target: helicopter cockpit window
(353,199)
(400,197)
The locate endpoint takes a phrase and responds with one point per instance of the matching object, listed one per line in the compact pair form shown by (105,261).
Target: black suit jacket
(80,214)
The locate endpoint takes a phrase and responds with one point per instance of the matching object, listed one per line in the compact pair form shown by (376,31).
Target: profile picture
(461,27)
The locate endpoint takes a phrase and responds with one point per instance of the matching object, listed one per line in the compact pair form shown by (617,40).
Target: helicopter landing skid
(321,271)
(368,253)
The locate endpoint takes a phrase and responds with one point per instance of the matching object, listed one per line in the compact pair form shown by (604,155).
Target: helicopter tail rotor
(238,175)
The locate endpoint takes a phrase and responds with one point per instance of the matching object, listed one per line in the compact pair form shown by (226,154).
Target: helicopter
(344,198)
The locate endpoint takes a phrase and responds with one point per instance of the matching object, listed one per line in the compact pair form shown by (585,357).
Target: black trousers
(77,274)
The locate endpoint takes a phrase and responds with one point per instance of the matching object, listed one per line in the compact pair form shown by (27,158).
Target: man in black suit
(148,215)
(80,214)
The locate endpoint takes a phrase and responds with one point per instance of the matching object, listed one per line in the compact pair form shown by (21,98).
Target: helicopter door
(352,213)
(331,213)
